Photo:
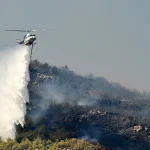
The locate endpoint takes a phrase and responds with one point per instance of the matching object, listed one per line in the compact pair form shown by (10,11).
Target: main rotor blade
(18,30)
(29,30)
(40,30)
(46,29)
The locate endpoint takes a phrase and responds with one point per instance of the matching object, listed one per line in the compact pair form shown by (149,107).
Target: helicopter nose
(34,37)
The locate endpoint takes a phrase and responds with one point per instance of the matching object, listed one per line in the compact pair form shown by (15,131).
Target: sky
(103,37)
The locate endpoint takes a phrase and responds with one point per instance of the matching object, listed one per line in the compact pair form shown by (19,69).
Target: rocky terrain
(64,105)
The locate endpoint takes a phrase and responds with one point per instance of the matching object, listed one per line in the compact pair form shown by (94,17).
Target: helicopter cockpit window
(27,35)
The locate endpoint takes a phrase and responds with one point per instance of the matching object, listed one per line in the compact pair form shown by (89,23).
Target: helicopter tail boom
(19,41)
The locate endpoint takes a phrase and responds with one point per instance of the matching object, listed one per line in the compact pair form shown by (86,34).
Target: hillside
(64,105)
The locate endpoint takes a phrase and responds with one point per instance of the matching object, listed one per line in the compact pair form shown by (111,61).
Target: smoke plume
(14,77)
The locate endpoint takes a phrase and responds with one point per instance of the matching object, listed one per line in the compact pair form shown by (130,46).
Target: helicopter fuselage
(28,39)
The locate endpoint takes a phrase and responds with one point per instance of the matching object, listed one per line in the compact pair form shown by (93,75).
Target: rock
(138,128)
(97,112)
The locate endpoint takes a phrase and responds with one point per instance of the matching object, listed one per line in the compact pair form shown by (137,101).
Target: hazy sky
(109,38)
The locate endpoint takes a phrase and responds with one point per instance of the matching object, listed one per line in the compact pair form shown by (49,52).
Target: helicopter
(29,38)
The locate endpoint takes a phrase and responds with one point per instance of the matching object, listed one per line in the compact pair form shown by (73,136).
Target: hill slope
(66,105)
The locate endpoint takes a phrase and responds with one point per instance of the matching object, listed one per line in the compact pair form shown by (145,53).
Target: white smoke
(14,77)
(59,94)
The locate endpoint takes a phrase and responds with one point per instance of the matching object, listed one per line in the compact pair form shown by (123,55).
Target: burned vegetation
(64,105)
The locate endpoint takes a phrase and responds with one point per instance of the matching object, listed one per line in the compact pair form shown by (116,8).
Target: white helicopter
(29,38)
